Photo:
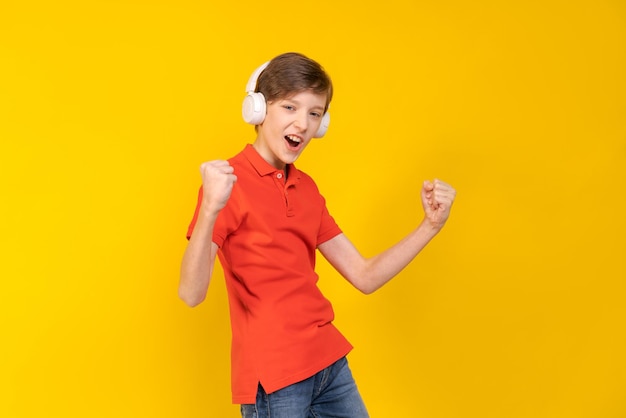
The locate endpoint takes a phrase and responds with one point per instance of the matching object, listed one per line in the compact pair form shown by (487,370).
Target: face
(288,127)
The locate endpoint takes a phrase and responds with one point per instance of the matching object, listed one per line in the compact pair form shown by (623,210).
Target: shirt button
(279,175)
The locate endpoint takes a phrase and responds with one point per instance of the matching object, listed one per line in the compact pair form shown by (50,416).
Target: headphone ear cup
(321,131)
(253,109)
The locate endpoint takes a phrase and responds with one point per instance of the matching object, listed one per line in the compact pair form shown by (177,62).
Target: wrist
(209,211)
(429,227)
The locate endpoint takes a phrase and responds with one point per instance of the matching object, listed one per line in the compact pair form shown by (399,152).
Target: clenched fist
(437,199)
(217,183)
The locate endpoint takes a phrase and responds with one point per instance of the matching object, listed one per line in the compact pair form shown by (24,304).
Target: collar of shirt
(263,168)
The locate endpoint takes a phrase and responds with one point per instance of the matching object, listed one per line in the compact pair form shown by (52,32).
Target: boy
(265,220)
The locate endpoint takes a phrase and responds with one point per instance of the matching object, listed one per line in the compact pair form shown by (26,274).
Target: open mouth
(293,141)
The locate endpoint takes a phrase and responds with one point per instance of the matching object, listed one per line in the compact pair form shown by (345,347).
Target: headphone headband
(251,86)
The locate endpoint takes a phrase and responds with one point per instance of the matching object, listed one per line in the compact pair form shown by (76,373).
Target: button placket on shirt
(290,208)
(284,186)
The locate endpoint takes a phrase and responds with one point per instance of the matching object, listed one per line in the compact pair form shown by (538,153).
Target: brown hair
(291,73)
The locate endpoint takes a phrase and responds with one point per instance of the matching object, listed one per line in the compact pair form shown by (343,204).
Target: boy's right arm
(199,257)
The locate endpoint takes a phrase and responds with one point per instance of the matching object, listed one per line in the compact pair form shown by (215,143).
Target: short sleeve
(195,214)
(328,227)
(227,221)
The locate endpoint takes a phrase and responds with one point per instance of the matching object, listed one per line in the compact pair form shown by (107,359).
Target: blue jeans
(329,393)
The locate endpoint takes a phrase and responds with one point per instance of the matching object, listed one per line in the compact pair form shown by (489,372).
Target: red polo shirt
(282,329)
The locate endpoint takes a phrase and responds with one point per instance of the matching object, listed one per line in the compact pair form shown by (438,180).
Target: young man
(265,220)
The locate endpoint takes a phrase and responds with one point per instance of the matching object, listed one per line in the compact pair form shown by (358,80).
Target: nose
(302,121)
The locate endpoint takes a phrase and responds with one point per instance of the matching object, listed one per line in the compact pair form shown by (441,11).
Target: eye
(289,107)
(316,114)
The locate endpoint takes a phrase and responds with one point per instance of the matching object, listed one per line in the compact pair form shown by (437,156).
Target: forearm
(198,260)
(369,274)
(378,270)
(437,199)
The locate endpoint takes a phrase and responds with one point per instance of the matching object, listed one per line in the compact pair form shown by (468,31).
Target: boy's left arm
(369,274)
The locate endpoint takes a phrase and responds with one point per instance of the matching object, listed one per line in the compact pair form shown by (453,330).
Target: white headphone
(254,107)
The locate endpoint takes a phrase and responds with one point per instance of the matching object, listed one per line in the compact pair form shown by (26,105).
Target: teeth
(294,138)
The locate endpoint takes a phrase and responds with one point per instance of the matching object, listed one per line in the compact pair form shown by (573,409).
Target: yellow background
(517,309)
